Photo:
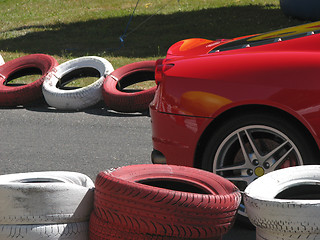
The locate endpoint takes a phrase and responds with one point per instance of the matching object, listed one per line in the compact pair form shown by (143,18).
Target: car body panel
(208,78)
(197,46)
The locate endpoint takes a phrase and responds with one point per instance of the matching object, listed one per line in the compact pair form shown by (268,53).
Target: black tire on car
(224,155)
(164,200)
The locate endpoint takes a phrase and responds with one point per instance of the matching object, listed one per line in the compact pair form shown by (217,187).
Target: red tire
(117,99)
(100,230)
(18,95)
(172,201)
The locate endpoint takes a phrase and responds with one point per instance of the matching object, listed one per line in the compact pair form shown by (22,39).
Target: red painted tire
(172,201)
(100,230)
(114,96)
(18,95)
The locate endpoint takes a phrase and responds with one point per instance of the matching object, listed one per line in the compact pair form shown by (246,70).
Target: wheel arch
(216,122)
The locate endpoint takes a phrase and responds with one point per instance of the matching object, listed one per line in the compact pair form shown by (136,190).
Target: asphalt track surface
(39,138)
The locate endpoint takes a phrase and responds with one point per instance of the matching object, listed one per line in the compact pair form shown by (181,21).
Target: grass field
(69,29)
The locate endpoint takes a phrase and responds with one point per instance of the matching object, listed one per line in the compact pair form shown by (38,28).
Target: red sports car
(239,107)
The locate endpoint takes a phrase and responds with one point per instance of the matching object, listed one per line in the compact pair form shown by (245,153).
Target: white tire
(1,60)
(45,198)
(80,98)
(285,204)
(70,231)
(264,234)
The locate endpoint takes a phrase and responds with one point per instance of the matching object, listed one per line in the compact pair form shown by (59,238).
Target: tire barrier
(45,205)
(111,232)
(75,99)
(285,204)
(69,231)
(45,197)
(55,77)
(308,10)
(119,100)
(1,60)
(18,95)
(164,201)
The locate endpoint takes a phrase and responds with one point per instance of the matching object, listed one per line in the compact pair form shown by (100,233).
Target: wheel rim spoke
(270,154)
(243,149)
(253,146)
(280,161)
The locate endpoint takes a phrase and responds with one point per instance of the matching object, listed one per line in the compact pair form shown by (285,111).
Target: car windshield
(271,37)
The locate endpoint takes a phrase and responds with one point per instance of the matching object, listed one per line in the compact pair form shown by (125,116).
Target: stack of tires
(109,87)
(285,204)
(45,205)
(162,202)
(302,9)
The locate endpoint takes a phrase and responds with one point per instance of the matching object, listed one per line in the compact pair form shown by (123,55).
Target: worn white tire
(80,98)
(285,204)
(1,60)
(70,231)
(45,198)
(264,234)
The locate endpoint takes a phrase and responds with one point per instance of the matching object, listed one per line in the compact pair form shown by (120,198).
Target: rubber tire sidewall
(100,230)
(65,197)
(152,210)
(123,101)
(13,96)
(286,218)
(67,231)
(79,98)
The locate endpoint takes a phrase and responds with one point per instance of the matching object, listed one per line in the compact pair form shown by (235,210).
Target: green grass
(68,29)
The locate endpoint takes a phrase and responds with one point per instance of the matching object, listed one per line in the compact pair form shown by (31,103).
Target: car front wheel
(252,145)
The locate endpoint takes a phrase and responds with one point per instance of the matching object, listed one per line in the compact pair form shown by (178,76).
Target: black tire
(166,200)
(223,152)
